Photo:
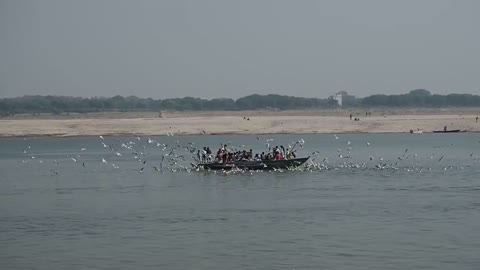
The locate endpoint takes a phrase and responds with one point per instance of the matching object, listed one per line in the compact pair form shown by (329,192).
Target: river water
(367,201)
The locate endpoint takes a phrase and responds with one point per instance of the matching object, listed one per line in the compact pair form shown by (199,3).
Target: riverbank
(111,124)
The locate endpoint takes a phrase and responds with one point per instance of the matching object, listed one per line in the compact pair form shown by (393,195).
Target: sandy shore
(232,123)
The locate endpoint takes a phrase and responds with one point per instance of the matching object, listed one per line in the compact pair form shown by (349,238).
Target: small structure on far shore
(339,98)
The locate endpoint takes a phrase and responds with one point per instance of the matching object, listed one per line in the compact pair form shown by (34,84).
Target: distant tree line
(66,104)
(422,98)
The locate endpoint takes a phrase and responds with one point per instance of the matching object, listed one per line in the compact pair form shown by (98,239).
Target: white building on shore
(339,98)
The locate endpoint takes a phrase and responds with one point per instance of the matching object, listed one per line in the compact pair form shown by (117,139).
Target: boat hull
(256,165)
(449,131)
(285,163)
(244,165)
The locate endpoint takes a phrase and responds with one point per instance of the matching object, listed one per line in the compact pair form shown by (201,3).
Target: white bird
(336,137)
(348,142)
(74,160)
(118,154)
(101,137)
(104,161)
(83,149)
(368,144)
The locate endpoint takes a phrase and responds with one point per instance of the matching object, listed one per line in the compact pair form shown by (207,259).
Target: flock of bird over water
(151,154)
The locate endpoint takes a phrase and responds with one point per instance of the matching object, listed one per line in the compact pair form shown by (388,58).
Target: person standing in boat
(275,150)
(224,157)
(199,156)
(219,154)
(209,154)
(204,154)
(278,155)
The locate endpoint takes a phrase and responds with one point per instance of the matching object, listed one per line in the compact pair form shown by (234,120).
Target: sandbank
(260,122)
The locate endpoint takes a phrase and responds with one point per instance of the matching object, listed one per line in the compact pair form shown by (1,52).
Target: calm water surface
(378,201)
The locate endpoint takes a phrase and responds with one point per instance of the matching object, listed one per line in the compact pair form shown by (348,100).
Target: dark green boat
(284,163)
(255,165)
(244,165)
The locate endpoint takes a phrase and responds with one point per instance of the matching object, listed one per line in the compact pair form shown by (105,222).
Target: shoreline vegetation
(252,122)
(419,98)
(61,116)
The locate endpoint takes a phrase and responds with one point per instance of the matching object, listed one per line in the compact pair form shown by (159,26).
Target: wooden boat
(255,165)
(244,165)
(449,131)
(284,163)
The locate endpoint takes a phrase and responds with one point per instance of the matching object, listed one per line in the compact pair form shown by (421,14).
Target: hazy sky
(223,48)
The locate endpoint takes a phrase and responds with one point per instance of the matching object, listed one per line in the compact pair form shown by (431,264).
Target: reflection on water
(367,201)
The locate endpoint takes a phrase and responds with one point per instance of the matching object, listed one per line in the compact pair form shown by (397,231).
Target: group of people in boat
(224,155)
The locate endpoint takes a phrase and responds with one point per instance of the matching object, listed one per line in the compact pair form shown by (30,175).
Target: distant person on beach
(445,128)
(476,120)
(351,117)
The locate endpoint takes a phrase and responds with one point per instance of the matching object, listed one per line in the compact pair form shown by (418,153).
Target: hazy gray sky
(225,48)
